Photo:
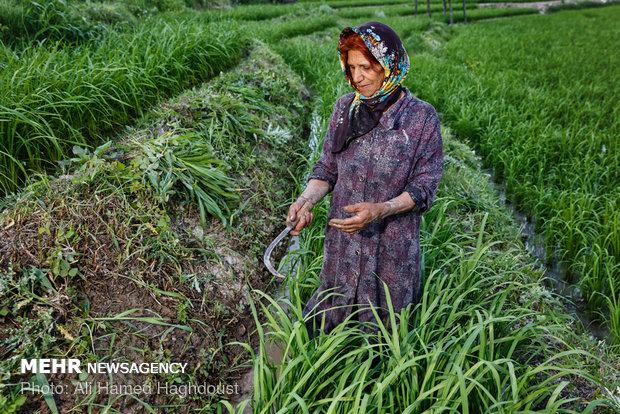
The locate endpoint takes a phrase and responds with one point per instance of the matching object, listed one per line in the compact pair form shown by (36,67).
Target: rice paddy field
(149,150)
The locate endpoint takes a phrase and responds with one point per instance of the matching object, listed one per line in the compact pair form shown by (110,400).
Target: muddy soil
(217,315)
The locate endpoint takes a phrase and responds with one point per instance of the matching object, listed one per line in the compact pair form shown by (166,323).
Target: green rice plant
(70,21)
(410,374)
(613,305)
(112,14)
(453,354)
(382,11)
(290,28)
(146,7)
(353,13)
(361,3)
(58,97)
(402,11)
(263,11)
(489,13)
(512,101)
(57,20)
(13,22)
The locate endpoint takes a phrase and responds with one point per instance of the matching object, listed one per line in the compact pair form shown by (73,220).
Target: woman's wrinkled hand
(365,213)
(304,221)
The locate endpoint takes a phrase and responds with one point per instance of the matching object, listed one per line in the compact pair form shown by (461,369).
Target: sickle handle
(303,210)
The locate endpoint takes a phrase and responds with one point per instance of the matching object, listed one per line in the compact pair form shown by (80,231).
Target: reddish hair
(354,41)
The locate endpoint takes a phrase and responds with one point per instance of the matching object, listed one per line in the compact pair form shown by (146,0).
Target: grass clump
(168,160)
(76,21)
(53,20)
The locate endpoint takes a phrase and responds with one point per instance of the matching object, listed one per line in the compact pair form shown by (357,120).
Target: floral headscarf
(365,112)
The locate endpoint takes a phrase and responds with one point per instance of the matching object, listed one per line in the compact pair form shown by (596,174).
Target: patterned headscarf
(365,112)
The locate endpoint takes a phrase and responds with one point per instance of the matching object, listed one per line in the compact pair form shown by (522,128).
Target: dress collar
(389,117)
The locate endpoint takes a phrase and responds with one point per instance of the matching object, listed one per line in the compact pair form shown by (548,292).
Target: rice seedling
(361,3)
(52,20)
(488,13)
(613,304)
(372,12)
(56,98)
(289,28)
(69,21)
(542,136)
(13,24)
(464,347)
(261,11)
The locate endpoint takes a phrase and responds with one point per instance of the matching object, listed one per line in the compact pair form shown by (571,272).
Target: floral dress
(403,152)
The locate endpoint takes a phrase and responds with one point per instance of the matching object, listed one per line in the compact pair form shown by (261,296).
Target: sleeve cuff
(419,198)
(317,174)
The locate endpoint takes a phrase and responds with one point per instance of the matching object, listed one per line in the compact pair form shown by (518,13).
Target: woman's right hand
(304,221)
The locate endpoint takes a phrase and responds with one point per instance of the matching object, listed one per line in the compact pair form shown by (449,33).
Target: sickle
(289,226)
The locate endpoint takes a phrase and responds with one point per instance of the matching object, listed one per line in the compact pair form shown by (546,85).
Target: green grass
(464,353)
(70,21)
(68,96)
(580,5)
(285,28)
(361,3)
(260,11)
(55,97)
(533,110)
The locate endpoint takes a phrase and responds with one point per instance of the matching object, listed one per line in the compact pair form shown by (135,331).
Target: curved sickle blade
(289,226)
(267,256)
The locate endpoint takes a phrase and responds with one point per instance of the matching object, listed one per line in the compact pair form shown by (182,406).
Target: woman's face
(367,77)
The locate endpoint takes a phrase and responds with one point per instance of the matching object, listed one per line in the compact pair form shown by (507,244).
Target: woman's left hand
(365,213)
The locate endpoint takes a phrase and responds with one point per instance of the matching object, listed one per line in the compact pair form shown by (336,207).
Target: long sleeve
(427,168)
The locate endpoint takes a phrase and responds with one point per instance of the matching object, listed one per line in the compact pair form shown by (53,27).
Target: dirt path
(542,6)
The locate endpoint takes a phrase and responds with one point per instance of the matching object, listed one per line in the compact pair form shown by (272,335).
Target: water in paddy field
(556,271)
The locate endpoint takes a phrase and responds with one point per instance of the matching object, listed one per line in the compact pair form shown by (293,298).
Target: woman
(382,158)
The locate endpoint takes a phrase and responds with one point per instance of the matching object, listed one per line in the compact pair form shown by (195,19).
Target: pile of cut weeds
(113,260)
